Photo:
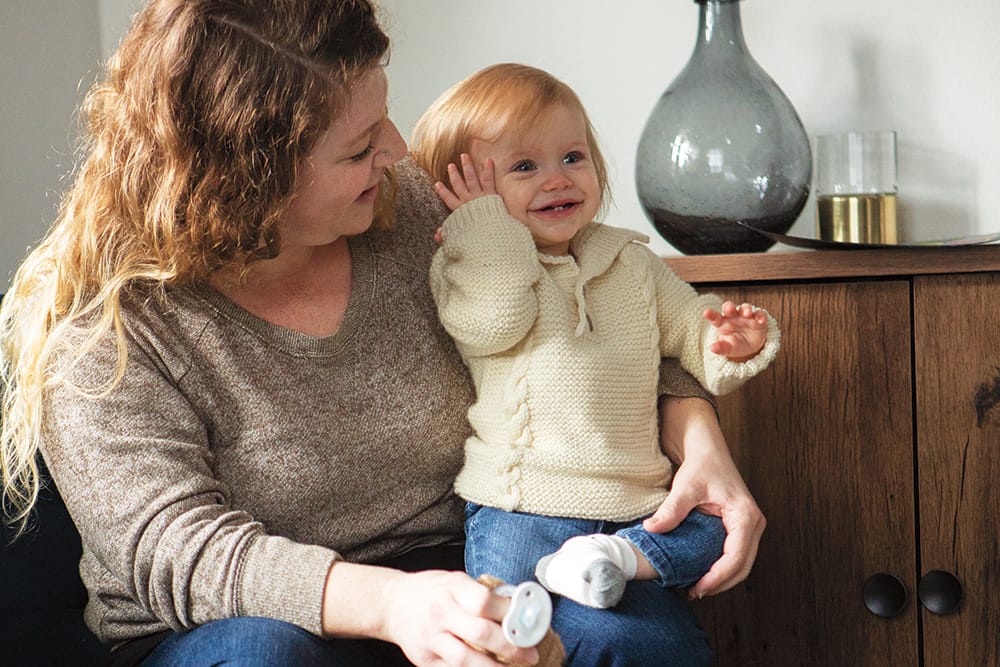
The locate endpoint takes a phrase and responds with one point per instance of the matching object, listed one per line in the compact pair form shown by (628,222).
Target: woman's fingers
(745,527)
(479,623)
(478,600)
(447,618)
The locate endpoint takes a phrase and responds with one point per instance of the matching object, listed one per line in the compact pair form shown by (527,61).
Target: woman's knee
(250,641)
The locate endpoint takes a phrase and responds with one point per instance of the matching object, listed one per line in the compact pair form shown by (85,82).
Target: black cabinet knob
(885,595)
(940,592)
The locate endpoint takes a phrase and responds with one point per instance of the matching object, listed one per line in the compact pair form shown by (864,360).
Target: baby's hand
(741,331)
(466,184)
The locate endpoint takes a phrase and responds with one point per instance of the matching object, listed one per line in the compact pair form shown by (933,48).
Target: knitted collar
(595,248)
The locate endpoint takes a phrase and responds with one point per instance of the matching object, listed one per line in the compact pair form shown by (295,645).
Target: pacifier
(529,615)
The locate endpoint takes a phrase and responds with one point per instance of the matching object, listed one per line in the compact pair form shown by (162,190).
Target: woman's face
(337,185)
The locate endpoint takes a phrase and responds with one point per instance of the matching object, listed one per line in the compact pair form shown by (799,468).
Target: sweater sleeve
(687,335)
(677,382)
(136,473)
(483,278)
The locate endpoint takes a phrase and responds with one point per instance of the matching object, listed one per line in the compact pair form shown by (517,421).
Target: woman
(229,358)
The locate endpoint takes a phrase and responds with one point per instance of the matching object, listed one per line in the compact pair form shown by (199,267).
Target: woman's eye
(363,154)
(524,165)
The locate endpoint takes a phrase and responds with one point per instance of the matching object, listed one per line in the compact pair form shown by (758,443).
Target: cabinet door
(957,362)
(824,439)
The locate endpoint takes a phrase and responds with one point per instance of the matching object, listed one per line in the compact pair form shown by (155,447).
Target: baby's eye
(574,157)
(523,165)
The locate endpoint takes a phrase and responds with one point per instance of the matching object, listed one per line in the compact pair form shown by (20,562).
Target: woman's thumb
(669,515)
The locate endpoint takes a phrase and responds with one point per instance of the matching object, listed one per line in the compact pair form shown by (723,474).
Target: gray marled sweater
(237,460)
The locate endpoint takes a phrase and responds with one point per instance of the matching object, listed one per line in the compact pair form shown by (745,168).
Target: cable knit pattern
(565,354)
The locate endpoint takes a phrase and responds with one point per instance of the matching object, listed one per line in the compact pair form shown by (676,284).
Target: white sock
(590,569)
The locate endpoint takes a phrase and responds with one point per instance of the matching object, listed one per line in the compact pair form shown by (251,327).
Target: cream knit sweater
(565,354)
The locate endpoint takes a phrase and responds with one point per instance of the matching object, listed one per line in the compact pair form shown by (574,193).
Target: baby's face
(546,176)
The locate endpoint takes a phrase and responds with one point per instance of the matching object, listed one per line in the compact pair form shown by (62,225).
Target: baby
(563,323)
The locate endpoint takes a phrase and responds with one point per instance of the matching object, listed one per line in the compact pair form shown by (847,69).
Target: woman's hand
(707,480)
(466,184)
(436,617)
(741,331)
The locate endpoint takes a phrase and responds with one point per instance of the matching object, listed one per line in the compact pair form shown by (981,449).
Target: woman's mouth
(369,194)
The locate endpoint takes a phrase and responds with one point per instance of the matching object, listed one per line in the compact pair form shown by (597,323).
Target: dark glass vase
(723,144)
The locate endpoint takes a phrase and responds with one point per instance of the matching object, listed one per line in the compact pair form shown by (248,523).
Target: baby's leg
(593,569)
(506,545)
(681,557)
(590,569)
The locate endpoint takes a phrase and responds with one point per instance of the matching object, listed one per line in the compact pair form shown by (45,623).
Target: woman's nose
(393,146)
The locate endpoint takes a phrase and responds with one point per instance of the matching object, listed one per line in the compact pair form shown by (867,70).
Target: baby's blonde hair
(502,98)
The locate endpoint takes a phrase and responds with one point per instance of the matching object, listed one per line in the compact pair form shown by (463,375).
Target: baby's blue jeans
(652,625)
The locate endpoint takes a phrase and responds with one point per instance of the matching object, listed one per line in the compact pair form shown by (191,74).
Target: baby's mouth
(559,206)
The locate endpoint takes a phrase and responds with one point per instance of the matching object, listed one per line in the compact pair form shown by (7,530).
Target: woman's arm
(707,479)
(163,544)
(433,616)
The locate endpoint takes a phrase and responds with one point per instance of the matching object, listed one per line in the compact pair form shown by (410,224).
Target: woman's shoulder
(419,213)
(167,321)
(416,200)
(167,308)
(158,324)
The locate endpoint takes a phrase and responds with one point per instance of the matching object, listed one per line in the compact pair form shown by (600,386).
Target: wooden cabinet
(872,445)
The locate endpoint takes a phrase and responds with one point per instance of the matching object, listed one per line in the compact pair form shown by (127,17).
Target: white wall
(115,18)
(923,67)
(46,51)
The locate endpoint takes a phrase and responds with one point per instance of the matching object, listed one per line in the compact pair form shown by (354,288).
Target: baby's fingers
(488,178)
(470,175)
(726,311)
(450,199)
(459,182)
(737,316)
(743,310)
(465,185)
(730,309)
(722,347)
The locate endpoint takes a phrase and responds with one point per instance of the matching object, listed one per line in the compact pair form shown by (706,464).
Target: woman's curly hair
(193,139)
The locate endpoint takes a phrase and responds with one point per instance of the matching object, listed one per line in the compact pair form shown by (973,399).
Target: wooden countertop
(832,264)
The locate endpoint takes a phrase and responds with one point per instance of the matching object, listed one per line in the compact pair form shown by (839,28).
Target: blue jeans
(263,642)
(650,626)
(253,642)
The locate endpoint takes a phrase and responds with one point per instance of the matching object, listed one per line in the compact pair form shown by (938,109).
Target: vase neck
(719,25)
